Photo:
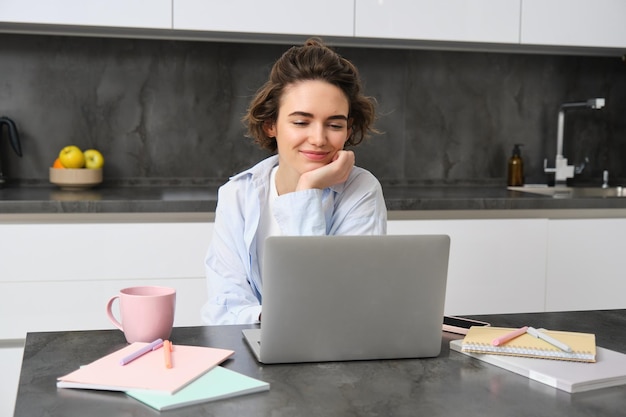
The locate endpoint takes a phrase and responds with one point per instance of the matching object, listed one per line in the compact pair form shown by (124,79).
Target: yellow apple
(72,157)
(93,159)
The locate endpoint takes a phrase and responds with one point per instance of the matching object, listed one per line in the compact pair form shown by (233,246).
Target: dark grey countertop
(108,199)
(185,198)
(449,385)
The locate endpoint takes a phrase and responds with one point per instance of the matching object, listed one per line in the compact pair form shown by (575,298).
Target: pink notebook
(147,372)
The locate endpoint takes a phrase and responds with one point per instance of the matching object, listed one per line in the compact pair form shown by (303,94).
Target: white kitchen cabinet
(60,276)
(322,17)
(10,363)
(496,265)
(586,268)
(586,23)
(492,21)
(106,13)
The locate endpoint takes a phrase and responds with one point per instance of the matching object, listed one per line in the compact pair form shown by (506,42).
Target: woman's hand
(335,172)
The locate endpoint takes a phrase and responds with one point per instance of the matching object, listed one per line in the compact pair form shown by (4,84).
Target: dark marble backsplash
(162,110)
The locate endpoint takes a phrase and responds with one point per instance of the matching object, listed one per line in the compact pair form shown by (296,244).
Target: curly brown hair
(311,61)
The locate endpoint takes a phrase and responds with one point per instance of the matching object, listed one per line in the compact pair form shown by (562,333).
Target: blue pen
(147,348)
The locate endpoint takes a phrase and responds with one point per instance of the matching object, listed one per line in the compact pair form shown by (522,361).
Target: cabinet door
(447,20)
(109,13)
(60,276)
(496,266)
(597,23)
(321,17)
(586,265)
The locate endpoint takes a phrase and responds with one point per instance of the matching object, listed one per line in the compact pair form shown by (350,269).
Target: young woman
(309,110)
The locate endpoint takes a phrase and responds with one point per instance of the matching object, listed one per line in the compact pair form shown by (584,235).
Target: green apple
(93,159)
(72,157)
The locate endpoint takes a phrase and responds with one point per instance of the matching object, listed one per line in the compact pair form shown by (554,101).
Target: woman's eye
(300,123)
(336,126)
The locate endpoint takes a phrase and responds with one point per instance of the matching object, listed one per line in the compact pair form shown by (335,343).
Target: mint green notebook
(217,384)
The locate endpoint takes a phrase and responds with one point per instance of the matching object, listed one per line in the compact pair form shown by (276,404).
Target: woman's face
(311,127)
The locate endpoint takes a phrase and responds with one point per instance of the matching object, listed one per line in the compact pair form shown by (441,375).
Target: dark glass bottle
(516,168)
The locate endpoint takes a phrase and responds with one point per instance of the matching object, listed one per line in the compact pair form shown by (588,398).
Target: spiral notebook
(478,340)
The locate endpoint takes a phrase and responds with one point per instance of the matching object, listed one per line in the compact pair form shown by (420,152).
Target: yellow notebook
(479,338)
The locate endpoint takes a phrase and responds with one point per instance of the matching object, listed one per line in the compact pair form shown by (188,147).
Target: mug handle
(110,313)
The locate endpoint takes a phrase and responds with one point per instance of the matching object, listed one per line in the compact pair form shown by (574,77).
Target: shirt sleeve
(232,299)
(301,213)
(357,207)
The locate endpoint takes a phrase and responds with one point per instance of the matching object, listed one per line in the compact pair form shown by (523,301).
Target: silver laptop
(340,298)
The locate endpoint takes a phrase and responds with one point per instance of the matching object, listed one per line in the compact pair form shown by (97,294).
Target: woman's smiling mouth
(314,155)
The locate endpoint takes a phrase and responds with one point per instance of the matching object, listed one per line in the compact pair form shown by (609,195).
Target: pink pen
(509,336)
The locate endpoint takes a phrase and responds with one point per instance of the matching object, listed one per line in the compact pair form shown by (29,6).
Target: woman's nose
(317,136)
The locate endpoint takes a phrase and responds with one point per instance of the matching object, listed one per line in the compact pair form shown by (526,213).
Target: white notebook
(609,369)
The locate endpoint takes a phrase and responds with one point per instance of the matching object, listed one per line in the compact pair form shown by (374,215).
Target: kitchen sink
(572,192)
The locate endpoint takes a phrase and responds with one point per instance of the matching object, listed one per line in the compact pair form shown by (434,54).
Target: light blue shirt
(235,285)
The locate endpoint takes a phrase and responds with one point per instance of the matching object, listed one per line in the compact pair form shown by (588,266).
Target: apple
(93,159)
(72,157)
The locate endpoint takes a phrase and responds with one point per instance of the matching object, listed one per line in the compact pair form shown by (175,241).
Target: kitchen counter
(111,199)
(203,199)
(451,384)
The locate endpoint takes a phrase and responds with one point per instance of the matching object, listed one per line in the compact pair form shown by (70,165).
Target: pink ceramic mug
(147,313)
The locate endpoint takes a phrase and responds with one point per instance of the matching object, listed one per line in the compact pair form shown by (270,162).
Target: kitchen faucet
(561,170)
